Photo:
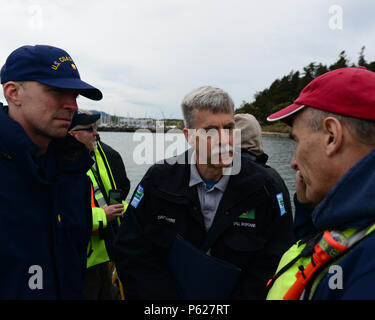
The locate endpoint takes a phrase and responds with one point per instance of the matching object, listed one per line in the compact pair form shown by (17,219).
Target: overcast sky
(146,55)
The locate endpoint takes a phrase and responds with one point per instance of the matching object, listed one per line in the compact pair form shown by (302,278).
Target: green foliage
(279,127)
(282,92)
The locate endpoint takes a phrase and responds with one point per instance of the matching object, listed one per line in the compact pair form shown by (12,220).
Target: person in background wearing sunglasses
(108,176)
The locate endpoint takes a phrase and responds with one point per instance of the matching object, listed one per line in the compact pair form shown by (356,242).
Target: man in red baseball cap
(333,124)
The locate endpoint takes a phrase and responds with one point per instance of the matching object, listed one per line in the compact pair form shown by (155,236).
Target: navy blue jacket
(262,160)
(168,206)
(350,204)
(45,216)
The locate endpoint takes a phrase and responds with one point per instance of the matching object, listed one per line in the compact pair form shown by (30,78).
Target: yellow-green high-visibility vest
(294,262)
(96,251)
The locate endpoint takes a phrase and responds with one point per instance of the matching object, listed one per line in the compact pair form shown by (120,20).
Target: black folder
(200,276)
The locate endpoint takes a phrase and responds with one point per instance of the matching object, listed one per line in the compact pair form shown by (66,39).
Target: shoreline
(166,130)
(275,134)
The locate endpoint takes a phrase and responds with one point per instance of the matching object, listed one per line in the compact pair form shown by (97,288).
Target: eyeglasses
(89,129)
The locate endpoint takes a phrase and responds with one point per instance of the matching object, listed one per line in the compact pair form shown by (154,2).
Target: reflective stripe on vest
(290,284)
(104,174)
(99,197)
(103,167)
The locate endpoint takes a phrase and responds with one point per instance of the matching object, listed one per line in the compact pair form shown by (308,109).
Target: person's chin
(312,197)
(221,165)
(59,133)
(226,161)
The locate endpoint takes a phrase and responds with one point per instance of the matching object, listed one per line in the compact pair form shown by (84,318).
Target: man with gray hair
(189,215)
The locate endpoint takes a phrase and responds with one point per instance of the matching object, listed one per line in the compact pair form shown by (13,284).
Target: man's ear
(333,130)
(12,93)
(190,136)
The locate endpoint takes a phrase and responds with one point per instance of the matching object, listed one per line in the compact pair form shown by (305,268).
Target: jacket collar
(69,154)
(171,181)
(250,175)
(195,178)
(13,137)
(351,202)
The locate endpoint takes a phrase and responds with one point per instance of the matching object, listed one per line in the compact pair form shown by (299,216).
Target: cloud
(145,55)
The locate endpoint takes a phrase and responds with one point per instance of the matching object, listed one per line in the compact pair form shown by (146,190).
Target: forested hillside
(284,91)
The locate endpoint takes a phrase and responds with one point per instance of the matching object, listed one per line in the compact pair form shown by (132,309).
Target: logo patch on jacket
(249,214)
(138,195)
(281,203)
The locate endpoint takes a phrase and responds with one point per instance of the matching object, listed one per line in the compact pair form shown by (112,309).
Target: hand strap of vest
(307,251)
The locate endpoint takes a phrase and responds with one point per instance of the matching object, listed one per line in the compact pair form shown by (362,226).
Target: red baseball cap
(345,91)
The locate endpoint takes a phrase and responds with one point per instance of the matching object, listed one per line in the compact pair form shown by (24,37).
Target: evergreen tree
(321,69)
(361,60)
(342,62)
(308,75)
(282,92)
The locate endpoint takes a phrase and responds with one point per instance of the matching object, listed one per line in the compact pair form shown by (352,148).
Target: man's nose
(70,101)
(224,137)
(293,162)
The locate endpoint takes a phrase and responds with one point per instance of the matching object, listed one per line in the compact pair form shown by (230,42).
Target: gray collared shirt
(209,199)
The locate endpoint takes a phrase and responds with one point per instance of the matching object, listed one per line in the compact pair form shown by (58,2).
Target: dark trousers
(97,283)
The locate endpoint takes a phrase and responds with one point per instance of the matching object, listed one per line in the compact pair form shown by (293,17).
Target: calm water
(279,150)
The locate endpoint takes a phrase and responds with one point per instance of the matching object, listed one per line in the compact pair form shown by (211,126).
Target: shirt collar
(195,177)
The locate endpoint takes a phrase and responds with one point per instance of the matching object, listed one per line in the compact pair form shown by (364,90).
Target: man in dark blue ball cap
(45,192)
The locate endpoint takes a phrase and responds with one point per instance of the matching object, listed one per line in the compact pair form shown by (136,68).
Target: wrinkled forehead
(78,127)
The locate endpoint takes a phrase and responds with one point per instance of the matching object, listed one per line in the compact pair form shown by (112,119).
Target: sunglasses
(89,129)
